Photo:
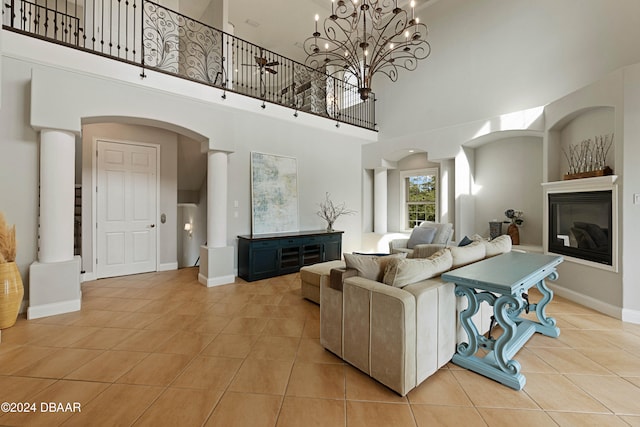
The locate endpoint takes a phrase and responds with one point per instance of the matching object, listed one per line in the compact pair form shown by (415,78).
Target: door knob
(153,225)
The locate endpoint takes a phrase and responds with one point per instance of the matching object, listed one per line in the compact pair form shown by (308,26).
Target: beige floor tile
(180,407)
(326,381)
(301,411)
(618,395)
(120,404)
(65,336)
(21,389)
(572,419)
(484,392)
(59,363)
(174,322)
(569,361)
(555,392)
(208,372)
(22,357)
(284,328)
(108,366)
(446,416)
(577,338)
(94,318)
(632,421)
(621,362)
(441,388)
(275,348)
(103,338)
(245,326)
(145,340)
(131,320)
(510,417)
(62,392)
(157,369)
(185,343)
(310,350)
(262,376)
(531,362)
(311,329)
(376,414)
(245,410)
(230,345)
(360,386)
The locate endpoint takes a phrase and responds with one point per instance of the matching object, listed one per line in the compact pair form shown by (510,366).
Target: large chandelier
(365,37)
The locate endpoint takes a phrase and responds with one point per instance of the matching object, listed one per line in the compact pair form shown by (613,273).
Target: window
(420,194)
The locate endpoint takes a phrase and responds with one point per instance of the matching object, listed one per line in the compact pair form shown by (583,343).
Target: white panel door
(126,207)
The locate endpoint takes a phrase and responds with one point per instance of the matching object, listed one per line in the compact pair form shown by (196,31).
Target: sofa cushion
(370,266)
(463,255)
(402,272)
(497,246)
(420,236)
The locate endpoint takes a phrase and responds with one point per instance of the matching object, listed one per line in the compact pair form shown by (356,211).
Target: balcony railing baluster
(172,43)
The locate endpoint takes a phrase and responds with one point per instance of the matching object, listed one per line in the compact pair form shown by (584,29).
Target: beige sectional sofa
(402,331)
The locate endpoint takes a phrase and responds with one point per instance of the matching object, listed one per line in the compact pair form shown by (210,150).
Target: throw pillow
(370,266)
(467,254)
(420,236)
(497,246)
(598,235)
(465,241)
(403,272)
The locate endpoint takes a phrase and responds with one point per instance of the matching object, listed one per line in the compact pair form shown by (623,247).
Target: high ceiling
(278,25)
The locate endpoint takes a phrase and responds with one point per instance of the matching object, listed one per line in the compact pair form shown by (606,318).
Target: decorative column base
(54,288)
(216,266)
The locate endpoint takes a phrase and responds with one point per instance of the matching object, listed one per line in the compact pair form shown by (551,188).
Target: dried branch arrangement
(7,241)
(330,212)
(589,155)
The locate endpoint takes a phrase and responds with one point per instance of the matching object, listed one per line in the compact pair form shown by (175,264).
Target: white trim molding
(602,307)
(168,266)
(45,310)
(216,281)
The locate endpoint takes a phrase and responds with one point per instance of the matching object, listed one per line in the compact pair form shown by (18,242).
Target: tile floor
(159,349)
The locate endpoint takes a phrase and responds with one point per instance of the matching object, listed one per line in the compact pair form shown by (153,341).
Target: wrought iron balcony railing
(146,34)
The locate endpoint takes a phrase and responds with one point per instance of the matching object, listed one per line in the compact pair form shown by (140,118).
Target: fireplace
(581,225)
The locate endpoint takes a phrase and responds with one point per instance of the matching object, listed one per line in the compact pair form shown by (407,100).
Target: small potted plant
(515,219)
(330,212)
(11,288)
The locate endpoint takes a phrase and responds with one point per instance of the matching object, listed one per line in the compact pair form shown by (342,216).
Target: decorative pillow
(598,235)
(370,266)
(465,241)
(402,272)
(497,246)
(467,254)
(421,236)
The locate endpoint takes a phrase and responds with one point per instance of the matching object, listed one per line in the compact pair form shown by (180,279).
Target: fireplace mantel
(601,183)
(598,183)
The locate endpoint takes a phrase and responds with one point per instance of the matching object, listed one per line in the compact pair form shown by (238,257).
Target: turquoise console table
(503,282)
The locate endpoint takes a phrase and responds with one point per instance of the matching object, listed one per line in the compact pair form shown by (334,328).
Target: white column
(380,201)
(217,199)
(57,182)
(54,280)
(216,258)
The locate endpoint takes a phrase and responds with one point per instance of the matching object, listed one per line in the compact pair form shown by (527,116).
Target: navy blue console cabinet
(268,255)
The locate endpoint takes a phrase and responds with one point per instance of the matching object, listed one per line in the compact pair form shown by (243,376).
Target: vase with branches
(330,212)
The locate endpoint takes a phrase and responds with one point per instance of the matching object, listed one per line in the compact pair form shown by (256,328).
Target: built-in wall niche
(583,125)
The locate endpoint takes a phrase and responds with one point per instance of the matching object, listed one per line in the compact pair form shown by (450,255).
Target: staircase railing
(148,35)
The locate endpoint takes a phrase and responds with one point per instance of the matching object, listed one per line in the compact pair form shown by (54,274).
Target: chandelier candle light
(364,37)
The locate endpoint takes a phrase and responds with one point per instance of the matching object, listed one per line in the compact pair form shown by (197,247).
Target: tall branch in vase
(330,212)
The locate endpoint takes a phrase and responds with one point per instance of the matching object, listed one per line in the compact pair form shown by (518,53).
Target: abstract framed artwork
(274,193)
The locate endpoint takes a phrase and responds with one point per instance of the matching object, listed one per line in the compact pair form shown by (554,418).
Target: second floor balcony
(153,37)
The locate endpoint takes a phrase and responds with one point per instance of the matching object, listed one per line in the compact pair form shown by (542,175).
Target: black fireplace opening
(580,225)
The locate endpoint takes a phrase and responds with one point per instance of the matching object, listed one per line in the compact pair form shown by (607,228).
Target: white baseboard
(45,310)
(87,277)
(168,266)
(631,316)
(602,307)
(216,281)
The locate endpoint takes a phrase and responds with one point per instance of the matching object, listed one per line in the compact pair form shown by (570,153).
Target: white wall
(498,56)
(40,96)
(508,174)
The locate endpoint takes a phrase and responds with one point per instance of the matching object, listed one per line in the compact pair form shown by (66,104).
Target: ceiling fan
(263,64)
